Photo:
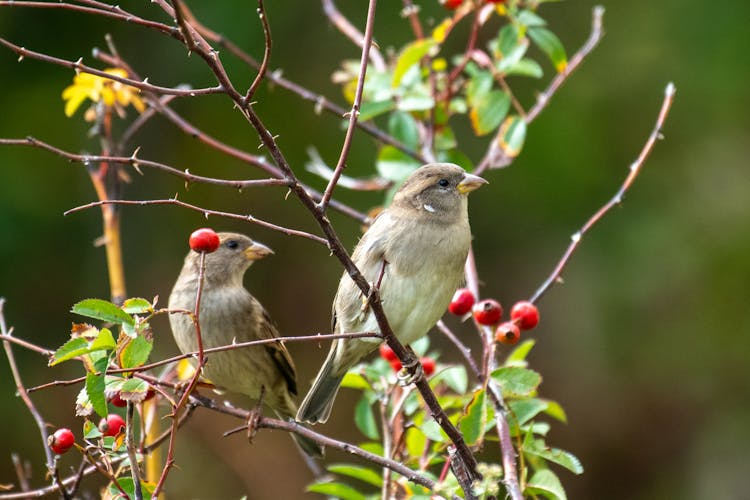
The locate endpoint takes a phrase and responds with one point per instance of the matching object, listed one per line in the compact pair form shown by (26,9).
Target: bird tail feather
(317,405)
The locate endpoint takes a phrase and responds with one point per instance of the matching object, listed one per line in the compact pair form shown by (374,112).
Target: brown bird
(228,313)
(420,244)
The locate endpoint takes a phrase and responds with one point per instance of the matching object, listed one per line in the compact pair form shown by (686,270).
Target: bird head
(228,263)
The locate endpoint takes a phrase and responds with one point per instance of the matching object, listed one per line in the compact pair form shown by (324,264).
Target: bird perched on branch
(416,250)
(229,314)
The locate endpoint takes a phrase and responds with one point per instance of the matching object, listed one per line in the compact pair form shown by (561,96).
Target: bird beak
(257,251)
(470,183)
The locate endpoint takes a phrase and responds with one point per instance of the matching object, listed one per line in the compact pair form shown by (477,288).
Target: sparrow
(230,314)
(416,250)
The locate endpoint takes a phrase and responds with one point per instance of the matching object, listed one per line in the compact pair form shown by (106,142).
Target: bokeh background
(646,344)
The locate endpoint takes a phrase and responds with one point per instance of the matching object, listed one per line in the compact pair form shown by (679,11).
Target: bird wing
(278,353)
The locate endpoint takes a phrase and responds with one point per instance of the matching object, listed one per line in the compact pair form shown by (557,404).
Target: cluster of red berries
(428,364)
(523,315)
(454,4)
(63,439)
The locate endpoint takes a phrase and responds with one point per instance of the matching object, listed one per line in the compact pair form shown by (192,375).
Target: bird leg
(404,375)
(254,416)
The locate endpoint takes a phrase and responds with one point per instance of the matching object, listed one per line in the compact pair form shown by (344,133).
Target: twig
(135,470)
(352,33)
(263,69)
(354,114)
(635,169)
(495,157)
(206,212)
(41,425)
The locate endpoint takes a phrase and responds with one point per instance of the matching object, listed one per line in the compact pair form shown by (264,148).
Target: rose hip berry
(508,333)
(525,315)
(117,401)
(461,302)
(387,353)
(487,312)
(428,365)
(396,365)
(204,240)
(111,425)
(61,441)
(452,4)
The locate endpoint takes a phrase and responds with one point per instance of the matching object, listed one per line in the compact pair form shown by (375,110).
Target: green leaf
(103,341)
(539,448)
(95,393)
(103,310)
(409,56)
(137,306)
(91,431)
(551,46)
(134,389)
(508,39)
(69,350)
(488,111)
(526,67)
(415,442)
(403,127)
(373,447)
(355,381)
(474,421)
(445,138)
(415,101)
(478,88)
(420,346)
(544,482)
(136,352)
(519,354)
(511,58)
(394,165)
(370,110)
(433,431)
(455,377)
(338,490)
(127,485)
(515,381)
(512,135)
(364,474)
(525,409)
(365,419)
(529,18)
(556,411)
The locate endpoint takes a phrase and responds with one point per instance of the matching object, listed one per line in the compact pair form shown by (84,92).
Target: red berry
(61,440)
(387,353)
(112,425)
(495,1)
(204,240)
(508,333)
(487,312)
(452,4)
(525,315)
(150,394)
(428,365)
(396,365)
(117,401)
(461,302)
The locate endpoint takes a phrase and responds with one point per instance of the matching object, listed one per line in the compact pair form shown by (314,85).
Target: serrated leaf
(102,310)
(546,483)
(551,46)
(95,393)
(409,56)
(134,390)
(403,127)
(355,381)
(83,405)
(137,305)
(519,354)
(69,350)
(364,474)
(556,411)
(512,135)
(473,423)
(516,381)
(365,419)
(539,448)
(524,410)
(488,111)
(338,490)
(103,341)
(136,352)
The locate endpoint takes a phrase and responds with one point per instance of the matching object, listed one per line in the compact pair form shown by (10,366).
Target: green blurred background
(645,345)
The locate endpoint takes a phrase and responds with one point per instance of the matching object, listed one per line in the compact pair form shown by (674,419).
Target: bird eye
(232,244)
(443,182)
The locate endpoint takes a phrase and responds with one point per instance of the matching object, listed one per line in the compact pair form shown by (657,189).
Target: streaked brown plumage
(229,313)
(424,238)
